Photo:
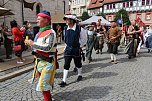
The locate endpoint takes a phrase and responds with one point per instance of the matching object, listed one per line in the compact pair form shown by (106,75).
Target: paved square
(129,80)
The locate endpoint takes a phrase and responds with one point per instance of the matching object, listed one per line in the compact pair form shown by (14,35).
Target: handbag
(17,48)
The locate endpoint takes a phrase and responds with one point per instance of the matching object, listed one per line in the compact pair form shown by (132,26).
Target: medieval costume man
(134,33)
(113,36)
(75,38)
(44,46)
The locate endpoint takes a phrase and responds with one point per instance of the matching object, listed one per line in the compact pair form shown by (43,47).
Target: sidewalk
(7,67)
(11,63)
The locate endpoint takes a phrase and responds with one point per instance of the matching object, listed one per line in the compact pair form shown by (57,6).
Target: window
(109,18)
(139,15)
(110,6)
(148,17)
(124,4)
(107,6)
(127,5)
(143,2)
(147,2)
(114,6)
(131,4)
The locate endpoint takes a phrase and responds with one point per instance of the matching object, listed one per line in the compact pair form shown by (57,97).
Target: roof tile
(99,3)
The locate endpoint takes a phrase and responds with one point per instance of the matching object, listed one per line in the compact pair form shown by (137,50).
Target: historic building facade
(54,6)
(135,8)
(95,7)
(79,6)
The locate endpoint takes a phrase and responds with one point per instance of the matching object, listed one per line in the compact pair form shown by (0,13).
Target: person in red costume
(18,39)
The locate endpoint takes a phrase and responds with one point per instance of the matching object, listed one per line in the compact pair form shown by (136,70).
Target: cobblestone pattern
(129,80)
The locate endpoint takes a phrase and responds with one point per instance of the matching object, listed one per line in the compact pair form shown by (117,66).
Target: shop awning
(5,11)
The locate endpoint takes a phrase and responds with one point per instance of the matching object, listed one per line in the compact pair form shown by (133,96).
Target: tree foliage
(85,16)
(102,14)
(125,16)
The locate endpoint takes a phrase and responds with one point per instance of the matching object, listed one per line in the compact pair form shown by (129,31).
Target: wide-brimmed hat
(70,16)
(90,25)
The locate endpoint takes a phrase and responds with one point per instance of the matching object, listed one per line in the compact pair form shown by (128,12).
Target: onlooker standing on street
(59,34)
(75,38)
(113,36)
(1,40)
(8,41)
(28,31)
(44,46)
(18,39)
(1,36)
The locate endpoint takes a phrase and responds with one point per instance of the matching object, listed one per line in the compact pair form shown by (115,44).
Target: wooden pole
(22,11)
(64,6)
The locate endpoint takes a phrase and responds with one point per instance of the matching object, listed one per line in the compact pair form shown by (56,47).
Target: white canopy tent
(95,19)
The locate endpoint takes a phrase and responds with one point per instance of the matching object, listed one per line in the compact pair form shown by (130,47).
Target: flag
(119,21)
(28,5)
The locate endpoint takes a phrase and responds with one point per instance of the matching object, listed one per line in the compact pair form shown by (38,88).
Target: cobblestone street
(129,80)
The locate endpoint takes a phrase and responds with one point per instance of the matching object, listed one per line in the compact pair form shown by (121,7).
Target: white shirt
(90,32)
(149,32)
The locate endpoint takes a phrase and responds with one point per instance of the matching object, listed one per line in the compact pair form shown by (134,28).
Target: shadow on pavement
(96,75)
(100,59)
(122,60)
(91,66)
(86,93)
(100,75)
(144,55)
(85,69)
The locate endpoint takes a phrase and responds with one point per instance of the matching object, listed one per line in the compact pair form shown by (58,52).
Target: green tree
(102,14)
(125,17)
(85,16)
